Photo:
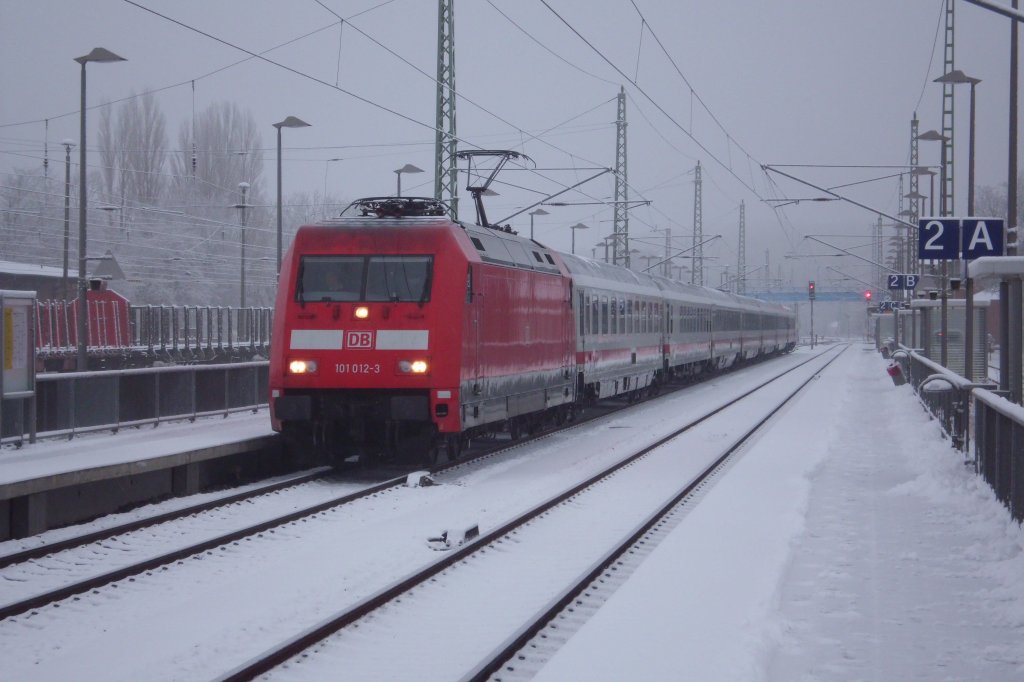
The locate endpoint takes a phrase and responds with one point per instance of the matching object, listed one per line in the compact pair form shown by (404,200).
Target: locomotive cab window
(362,278)
(398,278)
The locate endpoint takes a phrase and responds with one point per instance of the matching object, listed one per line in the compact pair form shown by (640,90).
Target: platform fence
(974,412)
(177,332)
(72,403)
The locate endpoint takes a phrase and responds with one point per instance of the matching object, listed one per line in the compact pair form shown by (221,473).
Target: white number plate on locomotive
(357,368)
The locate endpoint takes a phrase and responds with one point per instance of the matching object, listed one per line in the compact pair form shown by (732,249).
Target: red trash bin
(896,372)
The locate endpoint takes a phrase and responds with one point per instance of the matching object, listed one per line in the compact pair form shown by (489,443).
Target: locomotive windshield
(364,278)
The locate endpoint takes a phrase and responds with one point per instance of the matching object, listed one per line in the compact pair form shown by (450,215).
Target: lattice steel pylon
(446,169)
(915,201)
(946,193)
(697,271)
(741,257)
(620,233)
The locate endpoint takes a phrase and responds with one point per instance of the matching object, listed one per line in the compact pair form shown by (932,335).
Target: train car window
(548,257)
(594,314)
(330,278)
(478,244)
(604,314)
(622,316)
(629,316)
(537,257)
(613,322)
(398,278)
(469,284)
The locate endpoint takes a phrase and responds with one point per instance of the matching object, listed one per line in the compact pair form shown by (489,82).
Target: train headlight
(362,312)
(302,367)
(413,366)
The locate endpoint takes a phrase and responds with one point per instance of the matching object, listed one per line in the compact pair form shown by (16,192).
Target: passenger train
(397,329)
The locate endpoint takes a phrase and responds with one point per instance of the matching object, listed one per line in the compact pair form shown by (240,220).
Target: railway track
(114,541)
(303,541)
(423,596)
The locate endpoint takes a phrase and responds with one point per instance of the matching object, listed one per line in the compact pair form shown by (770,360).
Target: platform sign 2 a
(955,238)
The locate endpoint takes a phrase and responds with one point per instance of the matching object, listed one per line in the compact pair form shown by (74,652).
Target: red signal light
(867,295)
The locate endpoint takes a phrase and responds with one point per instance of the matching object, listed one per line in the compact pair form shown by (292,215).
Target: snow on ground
(130,444)
(850,543)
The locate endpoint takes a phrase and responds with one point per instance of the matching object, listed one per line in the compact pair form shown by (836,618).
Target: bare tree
(132,151)
(220,151)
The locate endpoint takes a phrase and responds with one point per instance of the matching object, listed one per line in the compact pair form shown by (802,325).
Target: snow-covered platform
(851,542)
(56,482)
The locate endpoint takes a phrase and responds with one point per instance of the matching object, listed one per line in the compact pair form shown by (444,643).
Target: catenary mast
(445,163)
(620,244)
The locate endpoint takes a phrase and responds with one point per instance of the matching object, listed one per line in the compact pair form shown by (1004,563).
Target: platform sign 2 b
(908,281)
(954,238)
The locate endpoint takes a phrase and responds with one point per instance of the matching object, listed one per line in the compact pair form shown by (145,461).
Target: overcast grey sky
(791,81)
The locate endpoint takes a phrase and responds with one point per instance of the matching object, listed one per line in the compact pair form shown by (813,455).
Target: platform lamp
(577,226)
(407,168)
(539,211)
(100,55)
(243,187)
(935,136)
(290,122)
(957,77)
(924,170)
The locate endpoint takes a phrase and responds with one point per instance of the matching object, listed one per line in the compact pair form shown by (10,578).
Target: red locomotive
(397,329)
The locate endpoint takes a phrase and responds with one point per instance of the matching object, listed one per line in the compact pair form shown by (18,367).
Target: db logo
(359,339)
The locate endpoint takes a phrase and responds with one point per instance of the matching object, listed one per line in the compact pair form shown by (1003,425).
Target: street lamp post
(539,211)
(68,144)
(957,77)
(100,55)
(407,168)
(244,186)
(290,122)
(935,136)
(577,226)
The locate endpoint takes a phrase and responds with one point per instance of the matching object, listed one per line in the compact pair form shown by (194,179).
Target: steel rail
(317,633)
(41,551)
(70,590)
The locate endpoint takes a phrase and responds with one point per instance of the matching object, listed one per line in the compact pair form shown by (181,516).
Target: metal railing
(998,424)
(174,331)
(944,393)
(71,403)
(999,448)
